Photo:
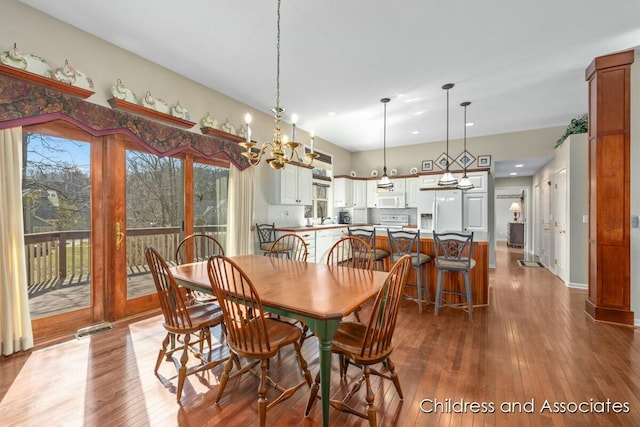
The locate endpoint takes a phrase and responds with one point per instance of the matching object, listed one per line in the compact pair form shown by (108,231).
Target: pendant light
(385,183)
(465,183)
(447,179)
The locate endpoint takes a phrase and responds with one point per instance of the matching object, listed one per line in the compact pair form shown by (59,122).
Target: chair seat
(379,254)
(418,259)
(455,265)
(349,339)
(201,315)
(280,334)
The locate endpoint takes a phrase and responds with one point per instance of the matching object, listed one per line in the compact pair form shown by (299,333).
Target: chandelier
(282,151)
(447,178)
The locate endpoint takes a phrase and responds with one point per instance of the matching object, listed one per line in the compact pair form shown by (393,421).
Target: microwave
(391,200)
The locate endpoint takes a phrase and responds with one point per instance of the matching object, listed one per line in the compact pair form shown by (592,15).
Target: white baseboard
(573,285)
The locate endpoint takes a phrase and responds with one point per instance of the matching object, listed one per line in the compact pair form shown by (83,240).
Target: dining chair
(406,242)
(367,345)
(352,252)
(369,235)
(183,323)
(194,248)
(266,236)
(453,254)
(290,246)
(250,333)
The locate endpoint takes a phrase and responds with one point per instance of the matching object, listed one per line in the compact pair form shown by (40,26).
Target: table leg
(325,331)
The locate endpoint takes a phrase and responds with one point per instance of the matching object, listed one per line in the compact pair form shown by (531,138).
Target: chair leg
(467,286)
(224,378)
(303,364)
(438,292)
(426,283)
(419,289)
(313,394)
(394,377)
(162,353)
(371,409)
(182,371)
(262,394)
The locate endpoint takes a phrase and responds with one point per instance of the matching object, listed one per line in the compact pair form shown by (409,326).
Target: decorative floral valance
(23,103)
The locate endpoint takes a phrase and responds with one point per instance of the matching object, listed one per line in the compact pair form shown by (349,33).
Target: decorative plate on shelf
(68,74)
(374,173)
(120,91)
(31,63)
(393,172)
(413,170)
(352,174)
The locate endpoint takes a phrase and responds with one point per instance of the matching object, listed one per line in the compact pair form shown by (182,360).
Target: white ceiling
(521,63)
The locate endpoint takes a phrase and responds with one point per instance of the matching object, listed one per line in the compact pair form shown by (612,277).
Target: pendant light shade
(465,183)
(447,179)
(385,183)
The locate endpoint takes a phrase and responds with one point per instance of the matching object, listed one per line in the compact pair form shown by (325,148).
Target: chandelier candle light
(385,182)
(447,179)
(465,183)
(282,151)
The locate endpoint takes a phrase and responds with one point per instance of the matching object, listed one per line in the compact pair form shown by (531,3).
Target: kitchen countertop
(316,227)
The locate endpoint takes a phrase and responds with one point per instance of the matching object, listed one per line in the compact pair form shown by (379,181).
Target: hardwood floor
(533,346)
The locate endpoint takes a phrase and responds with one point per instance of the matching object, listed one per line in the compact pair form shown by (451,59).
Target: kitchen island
(320,238)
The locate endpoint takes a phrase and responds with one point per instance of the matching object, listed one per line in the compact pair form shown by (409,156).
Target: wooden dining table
(318,294)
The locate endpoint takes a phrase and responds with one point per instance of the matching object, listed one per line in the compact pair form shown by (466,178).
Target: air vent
(93,329)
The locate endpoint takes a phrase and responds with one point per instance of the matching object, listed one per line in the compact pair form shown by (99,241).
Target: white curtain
(15,320)
(240,211)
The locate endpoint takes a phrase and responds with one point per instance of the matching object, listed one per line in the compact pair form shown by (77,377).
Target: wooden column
(609,188)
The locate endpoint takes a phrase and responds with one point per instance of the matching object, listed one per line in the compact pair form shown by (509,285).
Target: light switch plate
(635,221)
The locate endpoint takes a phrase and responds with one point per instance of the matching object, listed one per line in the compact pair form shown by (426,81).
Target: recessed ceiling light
(513,173)
(332,114)
(415,132)
(469,124)
(519,165)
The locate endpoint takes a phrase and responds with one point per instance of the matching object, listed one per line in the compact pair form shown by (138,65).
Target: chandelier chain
(278,60)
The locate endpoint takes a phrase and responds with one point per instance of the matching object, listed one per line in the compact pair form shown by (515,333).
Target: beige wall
(39,34)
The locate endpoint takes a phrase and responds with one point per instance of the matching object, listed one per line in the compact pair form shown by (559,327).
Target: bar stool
(404,242)
(369,236)
(453,254)
(266,236)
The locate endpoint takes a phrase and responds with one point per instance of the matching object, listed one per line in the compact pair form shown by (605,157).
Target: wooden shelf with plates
(221,134)
(47,82)
(119,104)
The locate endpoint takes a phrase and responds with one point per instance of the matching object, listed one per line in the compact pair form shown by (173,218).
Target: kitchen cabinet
(429,181)
(411,192)
(475,212)
(479,181)
(309,238)
(324,242)
(342,192)
(359,198)
(291,186)
(372,193)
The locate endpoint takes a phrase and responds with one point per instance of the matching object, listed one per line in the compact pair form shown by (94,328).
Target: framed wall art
(427,165)
(484,161)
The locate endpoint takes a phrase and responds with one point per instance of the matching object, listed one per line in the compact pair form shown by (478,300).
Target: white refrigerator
(440,210)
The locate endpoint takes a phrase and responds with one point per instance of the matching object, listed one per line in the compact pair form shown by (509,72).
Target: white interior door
(537,223)
(545,234)
(560,228)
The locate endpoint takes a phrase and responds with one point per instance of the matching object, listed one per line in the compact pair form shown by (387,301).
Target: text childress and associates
(433,406)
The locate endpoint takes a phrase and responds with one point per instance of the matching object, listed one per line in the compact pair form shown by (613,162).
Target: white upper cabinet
(291,186)
(372,193)
(342,192)
(412,187)
(359,199)
(429,181)
(479,181)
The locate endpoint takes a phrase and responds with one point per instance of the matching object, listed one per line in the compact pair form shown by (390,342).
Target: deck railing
(63,258)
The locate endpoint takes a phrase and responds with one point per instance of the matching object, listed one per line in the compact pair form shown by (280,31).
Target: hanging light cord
(384,140)
(465,139)
(278,60)
(447,168)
